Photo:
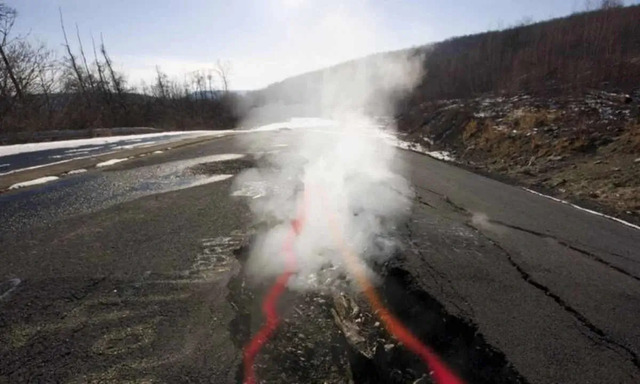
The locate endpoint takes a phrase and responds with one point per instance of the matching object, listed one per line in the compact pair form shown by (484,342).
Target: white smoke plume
(341,168)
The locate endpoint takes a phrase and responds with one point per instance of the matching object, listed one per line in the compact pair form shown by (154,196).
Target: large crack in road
(330,337)
(594,332)
(156,289)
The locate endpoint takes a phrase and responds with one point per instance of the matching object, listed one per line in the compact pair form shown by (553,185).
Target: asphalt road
(131,273)
(16,161)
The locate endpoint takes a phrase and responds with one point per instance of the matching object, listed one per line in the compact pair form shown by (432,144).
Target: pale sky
(266,40)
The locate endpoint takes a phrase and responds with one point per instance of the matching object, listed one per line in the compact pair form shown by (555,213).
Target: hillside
(598,49)
(365,84)
(552,105)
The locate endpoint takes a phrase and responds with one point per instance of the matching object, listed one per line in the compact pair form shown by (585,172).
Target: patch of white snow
(76,171)
(37,181)
(209,180)
(109,162)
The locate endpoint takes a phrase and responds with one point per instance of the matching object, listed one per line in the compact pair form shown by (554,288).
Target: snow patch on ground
(295,123)
(37,181)
(367,129)
(156,152)
(69,154)
(224,157)
(76,171)
(109,162)
(120,147)
(440,155)
(7,150)
(75,150)
(209,180)
(584,209)
(40,166)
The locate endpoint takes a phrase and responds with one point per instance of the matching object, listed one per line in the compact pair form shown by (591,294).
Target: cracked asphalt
(112,276)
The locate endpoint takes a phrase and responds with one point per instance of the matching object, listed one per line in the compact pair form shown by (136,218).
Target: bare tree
(197,80)
(72,58)
(27,61)
(7,19)
(48,78)
(609,4)
(159,89)
(103,84)
(589,5)
(78,92)
(223,70)
(210,82)
(23,62)
(116,79)
(84,60)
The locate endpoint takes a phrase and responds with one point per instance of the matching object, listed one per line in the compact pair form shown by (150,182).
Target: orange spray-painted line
(252,349)
(440,372)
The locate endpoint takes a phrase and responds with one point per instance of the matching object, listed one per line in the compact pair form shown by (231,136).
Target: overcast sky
(267,40)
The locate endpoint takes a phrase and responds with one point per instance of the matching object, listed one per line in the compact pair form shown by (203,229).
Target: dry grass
(470,130)
(526,120)
(629,141)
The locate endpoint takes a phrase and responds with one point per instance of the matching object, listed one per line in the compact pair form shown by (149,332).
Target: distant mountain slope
(599,49)
(367,82)
(553,106)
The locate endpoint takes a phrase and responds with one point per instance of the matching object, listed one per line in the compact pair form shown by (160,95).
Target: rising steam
(342,168)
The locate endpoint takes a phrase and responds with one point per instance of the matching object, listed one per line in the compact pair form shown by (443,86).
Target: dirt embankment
(583,148)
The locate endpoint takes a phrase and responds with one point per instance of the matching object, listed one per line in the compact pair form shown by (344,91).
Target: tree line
(83,89)
(598,48)
(593,49)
